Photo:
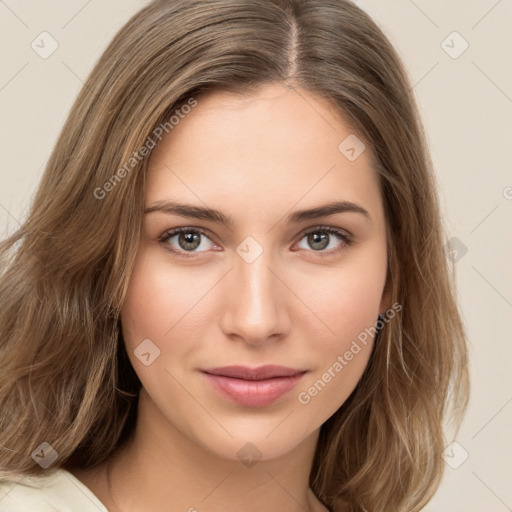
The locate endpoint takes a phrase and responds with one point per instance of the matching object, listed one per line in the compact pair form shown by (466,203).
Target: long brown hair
(65,378)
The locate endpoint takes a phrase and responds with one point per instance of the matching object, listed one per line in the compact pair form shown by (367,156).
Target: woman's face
(272,287)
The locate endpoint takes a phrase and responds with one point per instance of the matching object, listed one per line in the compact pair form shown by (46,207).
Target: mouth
(253,387)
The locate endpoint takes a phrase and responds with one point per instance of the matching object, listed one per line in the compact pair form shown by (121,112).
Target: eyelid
(320,227)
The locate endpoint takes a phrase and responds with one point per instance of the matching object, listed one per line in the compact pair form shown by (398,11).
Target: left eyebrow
(326,210)
(202,213)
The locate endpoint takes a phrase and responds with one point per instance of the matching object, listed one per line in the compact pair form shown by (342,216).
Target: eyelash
(345,238)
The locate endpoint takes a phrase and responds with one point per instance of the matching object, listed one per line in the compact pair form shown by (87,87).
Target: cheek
(159,306)
(158,297)
(347,302)
(328,389)
(346,299)
(343,351)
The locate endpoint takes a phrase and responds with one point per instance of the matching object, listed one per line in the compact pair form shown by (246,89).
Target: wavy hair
(65,377)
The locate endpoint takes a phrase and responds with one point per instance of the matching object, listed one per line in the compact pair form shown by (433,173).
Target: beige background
(466,103)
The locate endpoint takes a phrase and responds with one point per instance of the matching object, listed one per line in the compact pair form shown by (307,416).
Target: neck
(161,466)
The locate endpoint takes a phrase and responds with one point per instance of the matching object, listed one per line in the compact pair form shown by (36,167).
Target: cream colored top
(60,492)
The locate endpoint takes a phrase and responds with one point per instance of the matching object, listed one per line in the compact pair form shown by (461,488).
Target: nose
(254,308)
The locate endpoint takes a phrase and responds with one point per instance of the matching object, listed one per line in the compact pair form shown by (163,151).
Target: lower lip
(253,393)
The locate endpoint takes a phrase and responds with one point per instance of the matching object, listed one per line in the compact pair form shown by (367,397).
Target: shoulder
(58,491)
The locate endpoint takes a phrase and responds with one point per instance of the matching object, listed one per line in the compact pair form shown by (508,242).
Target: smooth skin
(256,159)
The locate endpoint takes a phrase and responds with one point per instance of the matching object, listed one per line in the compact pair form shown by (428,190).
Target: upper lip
(259,373)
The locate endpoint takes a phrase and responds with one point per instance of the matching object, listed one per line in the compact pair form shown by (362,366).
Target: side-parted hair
(65,378)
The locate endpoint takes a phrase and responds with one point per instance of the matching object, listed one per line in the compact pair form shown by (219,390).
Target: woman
(231,286)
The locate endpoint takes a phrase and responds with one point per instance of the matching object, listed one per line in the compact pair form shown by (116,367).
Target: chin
(263,440)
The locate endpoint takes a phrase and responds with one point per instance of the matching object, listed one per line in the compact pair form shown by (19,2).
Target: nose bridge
(254,307)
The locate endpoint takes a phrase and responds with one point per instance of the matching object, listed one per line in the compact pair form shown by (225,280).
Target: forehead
(277,144)
(293,115)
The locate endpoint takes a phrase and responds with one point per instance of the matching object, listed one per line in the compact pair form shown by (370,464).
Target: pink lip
(256,387)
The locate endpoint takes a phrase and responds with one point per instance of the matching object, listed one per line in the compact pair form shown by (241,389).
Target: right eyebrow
(188,210)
